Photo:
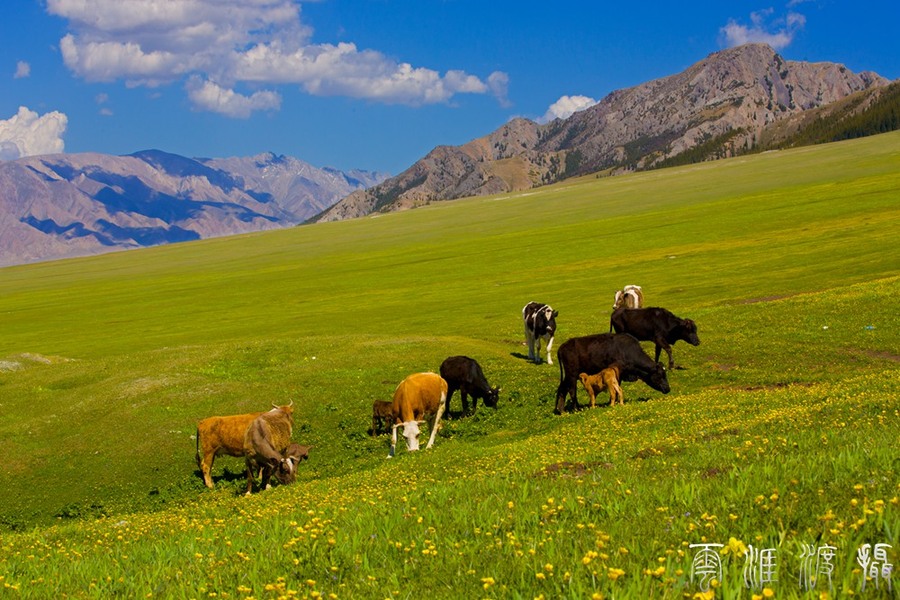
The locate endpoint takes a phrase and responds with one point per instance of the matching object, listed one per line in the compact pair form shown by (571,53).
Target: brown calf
(382,415)
(607,379)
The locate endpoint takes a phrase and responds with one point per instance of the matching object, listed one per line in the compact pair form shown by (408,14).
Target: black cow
(540,323)
(464,374)
(593,353)
(655,325)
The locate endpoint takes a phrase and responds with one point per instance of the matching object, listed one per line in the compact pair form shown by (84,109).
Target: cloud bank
(777,33)
(565,107)
(230,54)
(28,134)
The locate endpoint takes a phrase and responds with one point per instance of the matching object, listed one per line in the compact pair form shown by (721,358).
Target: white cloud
(218,44)
(565,107)
(23,69)
(206,95)
(28,134)
(779,33)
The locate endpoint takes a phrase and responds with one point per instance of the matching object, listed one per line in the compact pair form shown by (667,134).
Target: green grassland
(781,430)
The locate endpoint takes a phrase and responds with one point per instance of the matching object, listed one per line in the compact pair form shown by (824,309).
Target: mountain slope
(75,204)
(731,96)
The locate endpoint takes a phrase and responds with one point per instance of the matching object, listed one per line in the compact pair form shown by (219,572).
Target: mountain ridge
(734,94)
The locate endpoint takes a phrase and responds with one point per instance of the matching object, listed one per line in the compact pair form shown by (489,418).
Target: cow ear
(555,313)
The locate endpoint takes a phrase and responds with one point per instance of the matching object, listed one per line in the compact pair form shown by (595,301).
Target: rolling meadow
(781,429)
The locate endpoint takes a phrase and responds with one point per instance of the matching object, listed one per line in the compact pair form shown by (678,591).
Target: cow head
(545,321)
(657,379)
(689,332)
(492,396)
(411,433)
(285,470)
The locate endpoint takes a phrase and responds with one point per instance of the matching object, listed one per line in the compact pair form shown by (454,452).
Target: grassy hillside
(781,430)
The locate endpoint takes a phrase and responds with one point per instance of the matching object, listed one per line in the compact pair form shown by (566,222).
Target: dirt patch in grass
(879,354)
(714,472)
(572,469)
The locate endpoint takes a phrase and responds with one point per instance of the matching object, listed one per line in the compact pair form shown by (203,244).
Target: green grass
(782,429)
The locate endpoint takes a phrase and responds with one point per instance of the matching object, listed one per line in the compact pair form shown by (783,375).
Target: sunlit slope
(111,360)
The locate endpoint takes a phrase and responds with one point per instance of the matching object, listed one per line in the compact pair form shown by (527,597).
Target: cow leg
(437,422)
(450,391)
(249,480)
(465,402)
(662,345)
(549,347)
(616,392)
(266,474)
(529,339)
(206,467)
(567,387)
(393,441)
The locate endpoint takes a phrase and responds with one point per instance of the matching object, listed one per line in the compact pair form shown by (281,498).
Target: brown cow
(418,395)
(220,435)
(382,415)
(607,379)
(266,446)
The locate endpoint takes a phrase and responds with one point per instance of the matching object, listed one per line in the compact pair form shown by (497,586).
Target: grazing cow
(382,415)
(464,374)
(655,325)
(418,395)
(631,296)
(266,445)
(593,353)
(221,435)
(607,379)
(540,324)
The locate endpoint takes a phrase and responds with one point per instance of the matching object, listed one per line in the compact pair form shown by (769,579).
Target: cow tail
(198,449)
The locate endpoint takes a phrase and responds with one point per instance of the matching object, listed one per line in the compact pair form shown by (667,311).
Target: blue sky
(370,84)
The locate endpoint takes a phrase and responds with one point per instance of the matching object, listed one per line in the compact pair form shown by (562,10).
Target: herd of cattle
(601,362)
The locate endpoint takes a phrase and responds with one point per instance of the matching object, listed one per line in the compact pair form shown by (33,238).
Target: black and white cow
(631,296)
(540,324)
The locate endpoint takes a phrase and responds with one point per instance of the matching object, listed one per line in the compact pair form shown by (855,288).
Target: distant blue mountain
(67,205)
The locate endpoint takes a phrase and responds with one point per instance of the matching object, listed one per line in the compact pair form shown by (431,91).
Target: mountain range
(738,100)
(65,205)
(728,103)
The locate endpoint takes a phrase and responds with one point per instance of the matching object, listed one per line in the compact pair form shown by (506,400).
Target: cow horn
(274,405)
(292,403)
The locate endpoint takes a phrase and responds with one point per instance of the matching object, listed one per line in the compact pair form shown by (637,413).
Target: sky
(369,84)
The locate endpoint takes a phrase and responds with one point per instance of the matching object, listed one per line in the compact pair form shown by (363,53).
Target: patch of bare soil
(572,469)
(715,472)
(882,354)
